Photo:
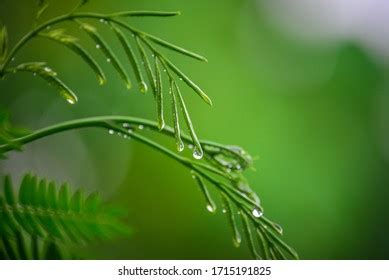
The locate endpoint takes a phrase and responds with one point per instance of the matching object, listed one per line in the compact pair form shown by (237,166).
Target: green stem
(71,16)
(111,122)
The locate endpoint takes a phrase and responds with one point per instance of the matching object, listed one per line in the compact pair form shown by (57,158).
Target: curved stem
(111,122)
(71,16)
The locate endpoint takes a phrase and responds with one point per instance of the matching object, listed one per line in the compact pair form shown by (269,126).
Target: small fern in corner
(41,218)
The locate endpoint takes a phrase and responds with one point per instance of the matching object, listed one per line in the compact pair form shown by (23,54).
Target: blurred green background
(315,114)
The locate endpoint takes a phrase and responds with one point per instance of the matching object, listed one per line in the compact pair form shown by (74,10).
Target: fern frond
(134,40)
(41,209)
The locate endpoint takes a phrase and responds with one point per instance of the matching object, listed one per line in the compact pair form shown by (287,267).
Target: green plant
(219,166)
(41,217)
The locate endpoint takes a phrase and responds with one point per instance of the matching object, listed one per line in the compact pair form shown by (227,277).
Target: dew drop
(48,27)
(257,213)
(97,46)
(13,59)
(211,208)
(130,130)
(119,134)
(180,146)
(126,125)
(125,136)
(237,240)
(190,146)
(70,101)
(180,79)
(108,60)
(224,210)
(34,74)
(111,131)
(198,153)
(141,126)
(102,20)
(143,87)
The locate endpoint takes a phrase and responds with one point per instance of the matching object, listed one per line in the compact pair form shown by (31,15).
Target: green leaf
(40,69)
(211,206)
(159,95)
(132,58)
(104,47)
(145,14)
(198,151)
(176,121)
(3,42)
(188,81)
(42,7)
(228,210)
(70,42)
(45,211)
(147,65)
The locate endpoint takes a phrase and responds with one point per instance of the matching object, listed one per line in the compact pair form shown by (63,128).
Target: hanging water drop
(237,240)
(70,101)
(257,213)
(111,131)
(143,87)
(180,146)
(211,208)
(198,153)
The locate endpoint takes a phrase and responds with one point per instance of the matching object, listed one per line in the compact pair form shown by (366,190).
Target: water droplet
(143,87)
(198,153)
(141,126)
(126,125)
(237,240)
(108,60)
(130,130)
(180,146)
(211,208)
(13,59)
(180,79)
(257,213)
(48,27)
(34,74)
(119,134)
(132,35)
(164,70)
(97,46)
(238,167)
(70,100)
(111,131)
(190,146)
(278,228)
(153,55)
(102,20)
(125,136)
(224,210)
